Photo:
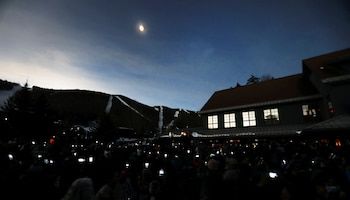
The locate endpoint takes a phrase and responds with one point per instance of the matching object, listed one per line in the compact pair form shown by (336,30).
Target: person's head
(213,165)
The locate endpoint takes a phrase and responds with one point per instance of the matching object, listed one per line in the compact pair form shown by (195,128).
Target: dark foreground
(175,168)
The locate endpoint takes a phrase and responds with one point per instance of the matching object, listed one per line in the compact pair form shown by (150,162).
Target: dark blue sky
(189,50)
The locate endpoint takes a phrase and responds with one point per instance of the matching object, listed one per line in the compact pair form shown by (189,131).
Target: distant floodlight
(284,162)
(33,142)
(127,165)
(40,156)
(211,155)
(188,151)
(81,160)
(46,161)
(146,165)
(6,119)
(197,156)
(51,161)
(96,142)
(91,159)
(165,155)
(206,163)
(10,157)
(161,172)
(75,153)
(217,152)
(273,175)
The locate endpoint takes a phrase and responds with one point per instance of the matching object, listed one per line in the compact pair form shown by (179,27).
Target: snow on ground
(109,104)
(6,94)
(126,104)
(157,109)
(176,115)
(188,112)
(160,122)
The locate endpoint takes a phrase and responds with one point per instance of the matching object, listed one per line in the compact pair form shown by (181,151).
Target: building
(312,101)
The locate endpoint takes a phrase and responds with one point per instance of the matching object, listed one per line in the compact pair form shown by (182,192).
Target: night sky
(188,50)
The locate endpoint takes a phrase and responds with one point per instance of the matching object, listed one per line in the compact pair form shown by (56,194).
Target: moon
(141,28)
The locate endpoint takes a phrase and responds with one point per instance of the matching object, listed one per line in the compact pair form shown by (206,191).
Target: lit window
(271,115)
(307,111)
(213,122)
(249,118)
(229,120)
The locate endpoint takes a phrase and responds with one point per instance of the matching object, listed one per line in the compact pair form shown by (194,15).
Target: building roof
(332,66)
(337,123)
(281,90)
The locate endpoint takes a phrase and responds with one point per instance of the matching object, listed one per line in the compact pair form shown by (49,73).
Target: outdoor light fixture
(188,151)
(10,157)
(91,159)
(146,165)
(51,161)
(81,160)
(161,172)
(165,155)
(273,175)
(6,119)
(197,156)
(40,156)
(127,165)
(33,142)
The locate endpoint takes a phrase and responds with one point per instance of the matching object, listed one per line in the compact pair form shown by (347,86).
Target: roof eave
(296,99)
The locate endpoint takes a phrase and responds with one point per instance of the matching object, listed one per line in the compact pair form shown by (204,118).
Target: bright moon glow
(141,28)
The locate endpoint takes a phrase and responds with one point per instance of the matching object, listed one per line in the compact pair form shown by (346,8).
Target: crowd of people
(70,166)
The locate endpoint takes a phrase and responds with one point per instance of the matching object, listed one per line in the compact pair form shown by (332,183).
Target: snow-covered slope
(126,104)
(6,94)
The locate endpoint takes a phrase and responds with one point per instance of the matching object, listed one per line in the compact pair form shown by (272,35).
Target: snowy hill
(7,89)
(82,107)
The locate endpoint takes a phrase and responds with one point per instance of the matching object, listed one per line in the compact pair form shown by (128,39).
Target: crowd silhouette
(68,167)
